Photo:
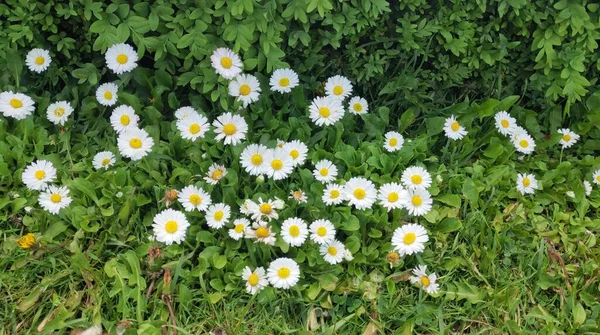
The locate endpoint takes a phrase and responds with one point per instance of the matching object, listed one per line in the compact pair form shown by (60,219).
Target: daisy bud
(260,179)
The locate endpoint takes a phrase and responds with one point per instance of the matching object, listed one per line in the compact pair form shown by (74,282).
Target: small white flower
(16,105)
(283,273)
(226,63)
(338,87)
(265,210)
(420,202)
(124,118)
(38,175)
(358,105)
(193,127)
(170,226)
(121,58)
(393,195)
(568,137)
(393,141)
(184,112)
(279,164)
(217,215)
(38,60)
(588,188)
(410,239)
(194,198)
(262,232)
(297,151)
(526,183)
(325,111)
(239,227)
(453,129)
(325,171)
(54,198)
(230,128)
(215,173)
(245,88)
(505,123)
(333,194)
(360,192)
(255,280)
(134,143)
(294,231)
(299,196)
(59,112)
(524,143)
(253,159)
(333,252)
(283,80)
(416,177)
(322,231)
(106,94)
(428,282)
(103,160)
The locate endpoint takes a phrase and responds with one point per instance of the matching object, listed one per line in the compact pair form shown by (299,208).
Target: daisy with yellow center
(322,231)
(338,87)
(416,177)
(505,123)
(392,196)
(393,141)
(255,280)
(230,128)
(420,202)
(215,173)
(299,196)
(103,160)
(38,174)
(194,198)
(16,105)
(524,143)
(253,159)
(193,127)
(568,137)
(358,105)
(265,210)
(294,231)
(217,215)
(226,63)
(245,88)
(325,111)
(38,60)
(333,194)
(106,94)
(297,151)
(170,226)
(135,143)
(333,252)
(279,164)
(55,198)
(410,239)
(526,183)
(283,273)
(261,232)
(325,171)
(121,58)
(454,130)
(427,282)
(239,228)
(59,112)
(283,80)
(596,177)
(360,192)
(124,118)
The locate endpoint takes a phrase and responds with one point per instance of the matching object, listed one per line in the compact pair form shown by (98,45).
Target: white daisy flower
(280,143)
(393,141)
(568,137)
(526,183)
(333,252)
(193,127)
(121,58)
(134,143)
(245,88)
(217,215)
(325,111)
(524,143)
(246,205)
(596,177)
(297,151)
(338,87)
(226,63)
(215,173)
(420,202)
(393,195)
(106,94)
(54,198)
(294,231)
(38,175)
(239,227)
(103,160)
(348,255)
(333,194)
(410,239)
(170,226)
(16,105)
(230,128)
(279,164)
(299,196)
(416,177)
(59,112)
(255,280)
(265,210)
(358,105)
(283,273)
(428,282)
(505,123)
(588,188)
(325,171)
(262,232)
(194,198)
(38,60)
(517,131)
(184,112)
(253,159)
(124,118)
(453,129)
(283,80)
(360,192)
(322,231)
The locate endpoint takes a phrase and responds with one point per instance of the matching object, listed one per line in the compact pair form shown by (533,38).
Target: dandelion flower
(170,226)
(283,80)
(358,105)
(360,192)
(193,127)
(409,239)
(184,112)
(255,280)
(16,105)
(416,177)
(333,252)
(38,175)
(194,198)
(226,63)
(253,159)
(524,143)
(568,137)
(38,60)
(124,118)
(393,141)
(26,241)
(294,231)
(261,231)
(338,87)
(299,196)
(393,195)
(217,215)
(322,231)
(505,123)
(325,171)
(59,112)
(325,111)
(420,202)
(54,198)
(106,94)
(283,273)
(121,58)
(333,194)
(297,151)
(239,227)
(526,183)
(428,282)
(103,160)
(135,143)
(215,173)
(453,129)
(279,164)
(230,128)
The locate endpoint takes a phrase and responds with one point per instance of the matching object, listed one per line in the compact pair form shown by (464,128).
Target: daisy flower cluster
(520,138)
(38,176)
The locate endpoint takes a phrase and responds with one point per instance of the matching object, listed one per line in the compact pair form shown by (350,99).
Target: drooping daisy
(333,194)
(103,160)
(245,88)
(217,215)
(215,173)
(420,202)
(596,177)
(261,232)
(255,280)
(416,177)
(325,111)
(59,112)
(453,129)
(230,128)
(124,118)
(121,58)
(38,60)
(170,226)
(338,87)
(393,195)
(526,183)
(283,273)
(193,127)
(294,231)
(239,227)
(360,192)
(194,198)
(16,105)
(505,123)
(226,63)
(184,112)
(588,188)
(299,196)
(428,282)
(246,205)
(568,137)
(393,141)
(134,143)
(279,164)
(333,252)
(106,94)
(283,80)
(325,171)
(516,132)
(38,174)
(358,105)
(297,151)
(322,231)
(410,239)
(524,143)
(253,159)
(54,198)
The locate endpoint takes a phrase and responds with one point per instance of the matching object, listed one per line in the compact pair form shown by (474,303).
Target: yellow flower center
(393,142)
(39,60)
(135,143)
(256,159)
(322,231)
(107,95)
(393,197)
(229,129)
(40,174)
(359,193)
(195,128)
(171,226)
(409,238)
(416,200)
(298,194)
(294,231)
(226,62)
(239,228)
(16,103)
(59,111)
(294,153)
(266,208)
(416,179)
(219,215)
(526,182)
(253,279)
(598,178)
(358,107)
(263,232)
(283,273)
(122,59)
(245,89)
(217,175)
(504,123)
(332,251)
(276,164)
(338,90)
(334,194)
(425,281)
(455,126)
(324,172)
(195,199)
(324,111)
(524,143)
(566,138)
(284,82)
(125,120)
(105,161)
(55,198)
